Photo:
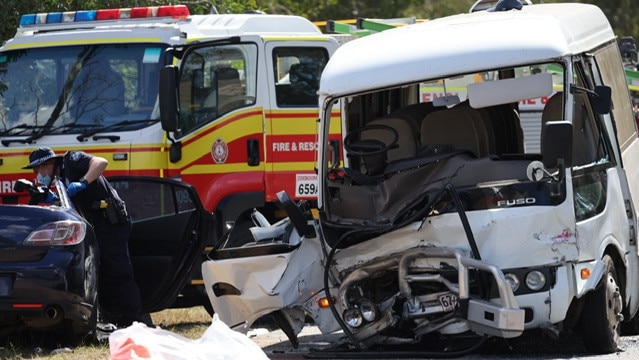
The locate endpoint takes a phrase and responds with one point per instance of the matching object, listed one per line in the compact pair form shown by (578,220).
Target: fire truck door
(294,69)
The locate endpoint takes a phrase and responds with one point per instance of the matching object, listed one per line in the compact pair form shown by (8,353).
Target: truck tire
(601,316)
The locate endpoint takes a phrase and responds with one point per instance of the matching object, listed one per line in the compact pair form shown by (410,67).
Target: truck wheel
(601,315)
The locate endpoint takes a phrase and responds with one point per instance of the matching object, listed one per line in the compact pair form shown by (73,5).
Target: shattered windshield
(476,132)
(79,89)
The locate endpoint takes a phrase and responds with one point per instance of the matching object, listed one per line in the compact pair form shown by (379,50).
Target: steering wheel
(369,147)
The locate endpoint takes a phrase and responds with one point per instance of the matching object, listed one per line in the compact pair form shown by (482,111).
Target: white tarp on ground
(218,342)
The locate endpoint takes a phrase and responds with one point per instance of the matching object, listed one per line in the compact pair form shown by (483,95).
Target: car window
(297,72)
(147,200)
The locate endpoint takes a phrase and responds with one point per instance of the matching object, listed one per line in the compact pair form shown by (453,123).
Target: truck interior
(475,132)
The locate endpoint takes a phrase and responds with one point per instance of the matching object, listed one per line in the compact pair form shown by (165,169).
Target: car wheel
(85,330)
(601,315)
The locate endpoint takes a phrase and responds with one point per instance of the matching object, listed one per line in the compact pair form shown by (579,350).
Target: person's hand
(50,198)
(75,187)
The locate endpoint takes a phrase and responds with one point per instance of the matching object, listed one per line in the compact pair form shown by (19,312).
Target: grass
(190,323)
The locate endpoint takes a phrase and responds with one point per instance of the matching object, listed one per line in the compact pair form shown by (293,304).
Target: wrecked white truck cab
(458,207)
(485,184)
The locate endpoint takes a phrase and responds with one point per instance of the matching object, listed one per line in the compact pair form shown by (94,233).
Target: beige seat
(407,145)
(414,113)
(553,110)
(457,127)
(490,130)
(482,125)
(505,125)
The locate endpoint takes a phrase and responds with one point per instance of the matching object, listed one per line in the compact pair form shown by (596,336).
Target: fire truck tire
(601,315)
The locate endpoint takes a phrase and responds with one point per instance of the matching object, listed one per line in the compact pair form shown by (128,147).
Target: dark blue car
(49,256)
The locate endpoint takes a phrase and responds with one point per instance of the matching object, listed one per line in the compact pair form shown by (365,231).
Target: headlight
(367,308)
(535,280)
(513,281)
(352,317)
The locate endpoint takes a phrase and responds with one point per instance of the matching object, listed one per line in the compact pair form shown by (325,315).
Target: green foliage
(622,14)
(317,10)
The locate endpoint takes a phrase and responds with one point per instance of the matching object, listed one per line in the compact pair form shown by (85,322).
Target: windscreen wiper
(117,125)
(34,135)
(48,130)
(22,129)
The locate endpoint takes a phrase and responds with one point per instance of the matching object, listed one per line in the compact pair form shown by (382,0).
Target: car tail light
(58,233)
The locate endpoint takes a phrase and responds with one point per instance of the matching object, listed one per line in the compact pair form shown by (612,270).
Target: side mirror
(556,144)
(169,98)
(175,152)
(601,100)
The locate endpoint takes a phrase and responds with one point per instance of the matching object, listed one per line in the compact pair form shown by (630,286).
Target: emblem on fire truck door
(219,151)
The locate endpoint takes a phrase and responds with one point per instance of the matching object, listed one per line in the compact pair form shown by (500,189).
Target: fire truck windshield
(79,89)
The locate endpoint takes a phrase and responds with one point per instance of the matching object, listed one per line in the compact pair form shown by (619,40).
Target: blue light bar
(85,15)
(54,17)
(27,19)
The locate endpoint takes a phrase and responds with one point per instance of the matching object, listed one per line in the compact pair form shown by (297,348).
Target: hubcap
(614,304)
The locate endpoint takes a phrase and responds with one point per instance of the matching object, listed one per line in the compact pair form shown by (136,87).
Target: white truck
(442,220)
(443,197)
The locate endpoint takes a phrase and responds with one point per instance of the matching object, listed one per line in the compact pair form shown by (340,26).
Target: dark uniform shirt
(75,165)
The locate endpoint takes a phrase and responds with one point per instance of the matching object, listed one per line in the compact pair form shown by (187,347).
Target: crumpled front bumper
(500,317)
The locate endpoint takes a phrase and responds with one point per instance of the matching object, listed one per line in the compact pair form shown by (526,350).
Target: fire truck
(246,104)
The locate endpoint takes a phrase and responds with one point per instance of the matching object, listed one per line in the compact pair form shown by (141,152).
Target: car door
(170,230)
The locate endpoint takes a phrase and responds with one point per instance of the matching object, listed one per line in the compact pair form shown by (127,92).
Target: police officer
(89,192)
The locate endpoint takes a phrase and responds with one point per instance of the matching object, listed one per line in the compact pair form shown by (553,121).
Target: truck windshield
(79,89)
